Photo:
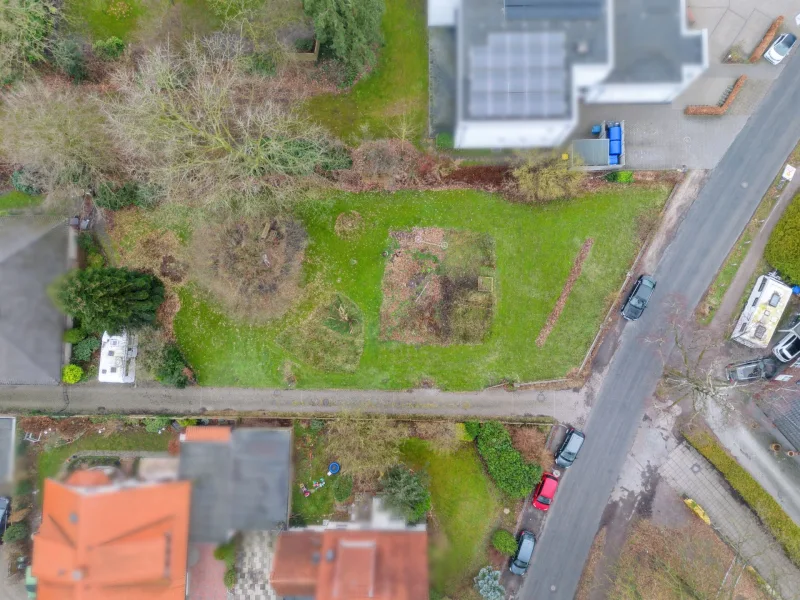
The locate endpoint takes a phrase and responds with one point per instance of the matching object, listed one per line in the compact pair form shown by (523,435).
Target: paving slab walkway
(694,477)
(253,567)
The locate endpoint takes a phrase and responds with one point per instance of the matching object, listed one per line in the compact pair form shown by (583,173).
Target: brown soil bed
(430,292)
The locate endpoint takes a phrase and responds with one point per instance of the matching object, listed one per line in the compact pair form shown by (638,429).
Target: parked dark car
(751,370)
(5,511)
(639,297)
(519,564)
(570,447)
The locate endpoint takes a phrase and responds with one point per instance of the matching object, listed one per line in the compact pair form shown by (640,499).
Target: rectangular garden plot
(438,287)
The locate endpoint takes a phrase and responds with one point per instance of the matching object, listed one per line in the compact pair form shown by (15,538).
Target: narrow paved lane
(710,229)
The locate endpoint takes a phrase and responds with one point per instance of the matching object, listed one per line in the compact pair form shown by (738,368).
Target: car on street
(568,451)
(789,347)
(639,297)
(521,560)
(5,511)
(780,48)
(545,492)
(752,370)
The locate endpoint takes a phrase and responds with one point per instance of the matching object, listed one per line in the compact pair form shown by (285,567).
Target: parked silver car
(780,48)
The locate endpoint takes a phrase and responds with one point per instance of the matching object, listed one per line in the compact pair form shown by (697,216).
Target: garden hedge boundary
(708,110)
(766,40)
(777,522)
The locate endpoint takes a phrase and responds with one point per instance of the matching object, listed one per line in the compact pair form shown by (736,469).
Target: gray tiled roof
(32,255)
(238,486)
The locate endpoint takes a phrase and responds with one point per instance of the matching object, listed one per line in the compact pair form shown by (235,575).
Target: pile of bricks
(766,40)
(708,110)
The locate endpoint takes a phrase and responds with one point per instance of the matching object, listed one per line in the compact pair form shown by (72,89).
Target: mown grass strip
(777,522)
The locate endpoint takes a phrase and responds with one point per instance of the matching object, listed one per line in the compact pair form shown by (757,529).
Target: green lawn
(535,250)
(309,464)
(50,461)
(397,87)
(466,507)
(15,200)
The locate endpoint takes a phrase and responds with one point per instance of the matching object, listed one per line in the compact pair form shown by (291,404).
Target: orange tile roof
(87,478)
(112,543)
(353,565)
(207,433)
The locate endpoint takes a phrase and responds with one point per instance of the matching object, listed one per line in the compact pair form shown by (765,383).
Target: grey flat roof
(554,9)
(238,486)
(649,46)
(32,254)
(7,448)
(593,152)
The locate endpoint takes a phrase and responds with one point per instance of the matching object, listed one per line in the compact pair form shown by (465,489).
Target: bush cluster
(172,368)
(620,176)
(471,430)
(156,424)
(69,59)
(504,542)
(75,335)
(109,49)
(406,492)
(512,474)
(128,194)
(83,350)
(487,584)
(71,374)
(25,183)
(16,532)
(783,247)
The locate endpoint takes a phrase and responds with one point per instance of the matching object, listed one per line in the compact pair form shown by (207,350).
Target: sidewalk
(730,302)
(694,477)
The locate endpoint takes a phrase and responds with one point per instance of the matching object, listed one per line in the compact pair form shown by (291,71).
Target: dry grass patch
(252,268)
(531,442)
(348,224)
(587,583)
(431,289)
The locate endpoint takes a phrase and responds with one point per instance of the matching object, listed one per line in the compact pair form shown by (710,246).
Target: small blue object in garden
(796,290)
(333,468)
(596,129)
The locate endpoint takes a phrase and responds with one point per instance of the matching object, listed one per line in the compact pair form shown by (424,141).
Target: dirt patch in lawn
(251,267)
(438,287)
(348,224)
(574,273)
(531,442)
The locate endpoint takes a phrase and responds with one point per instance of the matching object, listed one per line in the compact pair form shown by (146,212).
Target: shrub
(543,179)
(487,583)
(504,542)
(229,578)
(24,487)
(172,369)
(156,424)
(512,474)
(783,247)
(71,374)
(472,429)
(406,492)
(444,141)
(304,45)
(316,426)
(777,522)
(227,553)
(87,243)
(109,49)
(24,182)
(16,532)
(116,198)
(82,351)
(620,176)
(110,299)
(260,63)
(68,58)
(187,422)
(342,488)
(75,335)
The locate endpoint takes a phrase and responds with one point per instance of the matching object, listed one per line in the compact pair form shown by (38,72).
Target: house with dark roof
(33,253)
(512,73)
(240,480)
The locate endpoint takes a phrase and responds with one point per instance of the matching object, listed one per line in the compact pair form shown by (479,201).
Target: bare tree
(198,127)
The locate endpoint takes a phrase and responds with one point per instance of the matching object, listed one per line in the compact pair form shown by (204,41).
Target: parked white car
(789,347)
(780,48)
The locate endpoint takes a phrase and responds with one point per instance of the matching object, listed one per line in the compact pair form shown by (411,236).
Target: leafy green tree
(110,49)
(69,59)
(504,542)
(512,474)
(406,492)
(172,368)
(71,374)
(350,28)
(110,299)
(783,247)
(75,335)
(82,351)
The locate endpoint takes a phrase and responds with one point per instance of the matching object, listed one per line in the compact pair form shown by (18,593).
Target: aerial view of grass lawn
(465,507)
(481,322)
(395,91)
(14,200)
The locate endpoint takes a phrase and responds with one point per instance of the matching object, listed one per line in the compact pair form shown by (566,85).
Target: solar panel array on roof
(519,75)
(554,9)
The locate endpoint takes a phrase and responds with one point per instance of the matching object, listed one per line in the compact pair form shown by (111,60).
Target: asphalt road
(710,229)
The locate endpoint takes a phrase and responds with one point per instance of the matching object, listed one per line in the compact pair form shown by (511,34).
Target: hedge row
(777,522)
(708,110)
(510,472)
(766,40)
(783,247)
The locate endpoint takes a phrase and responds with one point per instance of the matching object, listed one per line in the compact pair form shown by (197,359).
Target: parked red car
(545,492)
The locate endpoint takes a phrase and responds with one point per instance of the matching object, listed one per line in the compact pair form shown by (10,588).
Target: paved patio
(254,566)
(692,476)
